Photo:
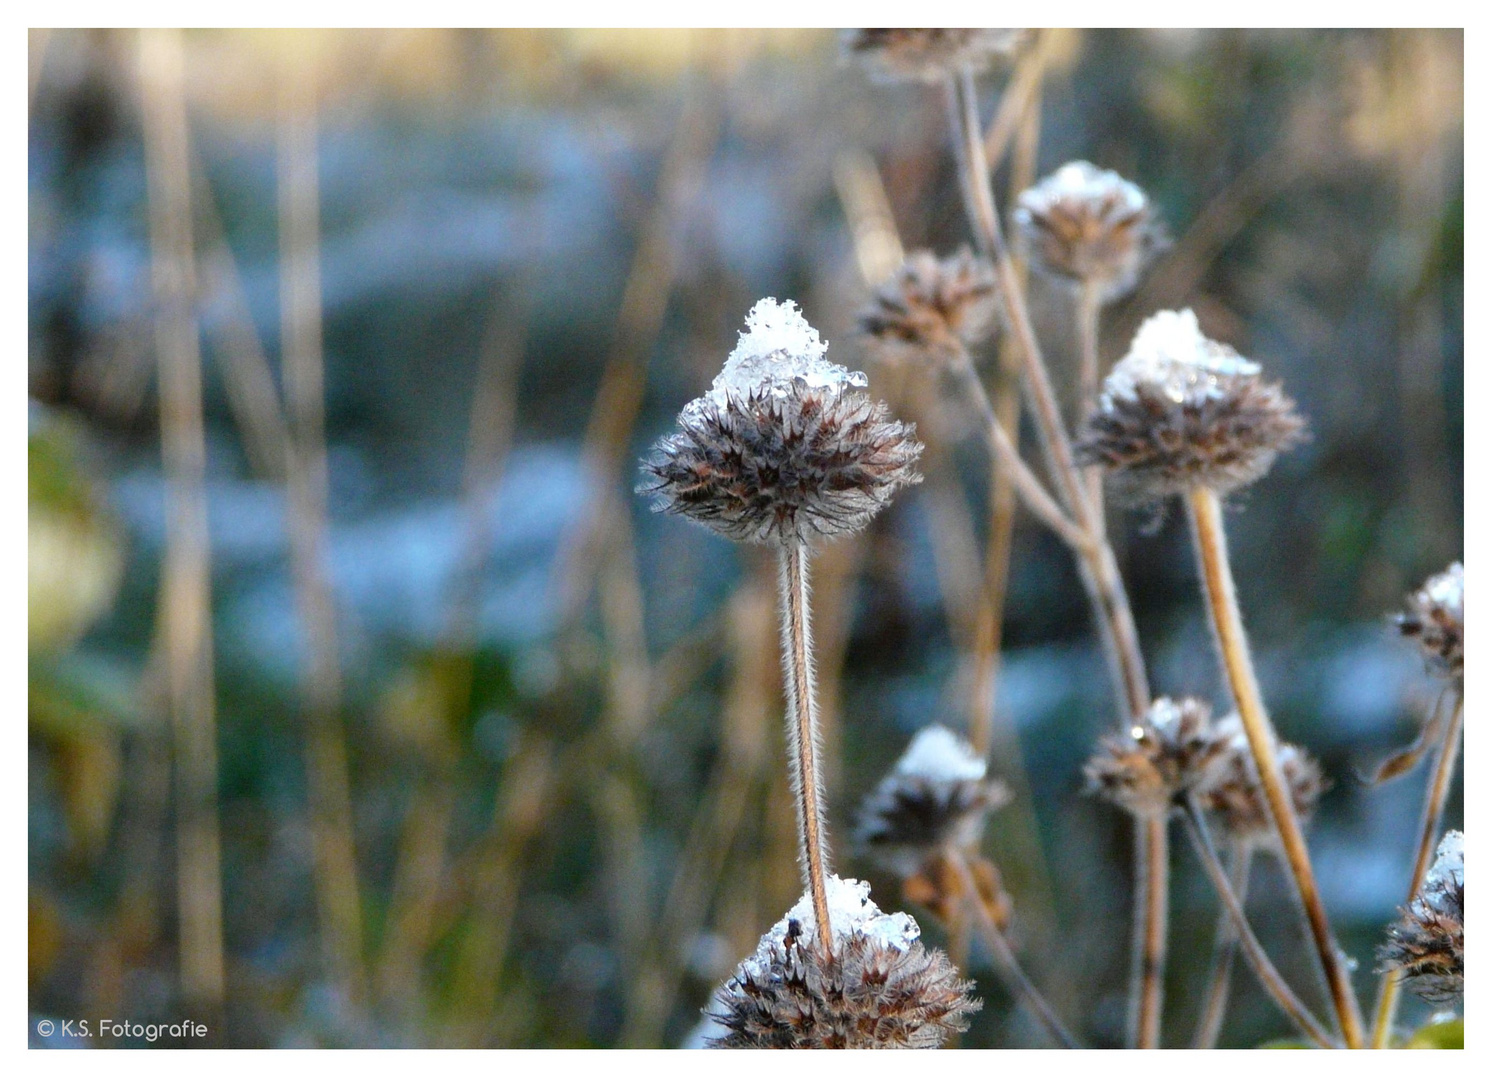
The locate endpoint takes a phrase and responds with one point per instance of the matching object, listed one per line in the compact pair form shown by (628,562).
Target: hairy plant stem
(1224,610)
(1270,979)
(803,726)
(1226,945)
(1438,786)
(1087,318)
(1097,565)
(1007,965)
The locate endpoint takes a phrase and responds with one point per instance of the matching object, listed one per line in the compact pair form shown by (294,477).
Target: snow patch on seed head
(1170,354)
(939,755)
(777,347)
(851,911)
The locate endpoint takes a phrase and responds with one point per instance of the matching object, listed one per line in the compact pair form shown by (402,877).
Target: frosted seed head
(1235,791)
(1175,748)
(931,310)
(1426,945)
(1434,617)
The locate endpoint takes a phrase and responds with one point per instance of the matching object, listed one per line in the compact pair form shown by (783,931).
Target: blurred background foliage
(556,718)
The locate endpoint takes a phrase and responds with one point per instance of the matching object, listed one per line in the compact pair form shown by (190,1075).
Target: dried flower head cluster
(936,796)
(1182,412)
(1088,225)
(1434,616)
(880,988)
(1426,946)
(931,309)
(782,447)
(906,55)
(1173,749)
(1235,791)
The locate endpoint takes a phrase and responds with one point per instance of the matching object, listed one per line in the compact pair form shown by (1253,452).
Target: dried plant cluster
(1434,617)
(930,56)
(1181,412)
(1235,793)
(931,308)
(1173,750)
(1426,947)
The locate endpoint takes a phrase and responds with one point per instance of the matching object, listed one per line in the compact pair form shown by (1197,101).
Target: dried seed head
(1235,791)
(1426,946)
(1085,224)
(1174,748)
(930,56)
(931,309)
(879,988)
(781,447)
(1434,616)
(936,796)
(1181,412)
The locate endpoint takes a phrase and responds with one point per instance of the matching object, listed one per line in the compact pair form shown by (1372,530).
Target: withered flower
(1088,225)
(1181,412)
(936,796)
(929,56)
(1434,617)
(879,987)
(1426,946)
(1235,790)
(931,309)
(783,448)
(1173,749)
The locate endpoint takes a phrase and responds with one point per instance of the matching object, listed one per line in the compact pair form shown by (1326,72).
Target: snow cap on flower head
(1426,946)
(1434,616)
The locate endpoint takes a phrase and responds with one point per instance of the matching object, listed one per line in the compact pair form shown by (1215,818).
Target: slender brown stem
(1226,945)
(1087,318)
(1007,965)
(1224,609)
(1149,932)
(1438,786)
(1270,979)
(186,617)
(798,685)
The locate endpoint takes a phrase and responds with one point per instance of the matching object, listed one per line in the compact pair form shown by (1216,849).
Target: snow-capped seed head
(937,796)
(1235,793)
(782,447)
(930,56)
(1086,224)
(931,309)
(1173,749)
(1181,412)
(1426,945)
(1434,616)
(878,988)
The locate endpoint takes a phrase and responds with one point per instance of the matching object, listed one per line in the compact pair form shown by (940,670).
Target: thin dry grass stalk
(186,613)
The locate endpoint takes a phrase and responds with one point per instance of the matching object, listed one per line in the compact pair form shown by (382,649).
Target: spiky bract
(1173,749)
(868,995)
(1434,617)
(931,309)
(1426,946)
(1183,412)
(908,55)
(786,462)
(1085,224)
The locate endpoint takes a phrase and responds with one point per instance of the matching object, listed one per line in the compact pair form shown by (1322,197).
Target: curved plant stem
(1224,609)
(1087,317)
(1226,945)
(798,687)
(1438,785)
(1096,559)
(1270,979)
(1007,965)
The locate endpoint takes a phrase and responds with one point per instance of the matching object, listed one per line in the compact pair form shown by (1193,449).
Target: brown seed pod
(1088,225)
(1181,412)
(931,309)
(1426,946)
(782,448)
(1174,748)
(904,55)
(1434,617)
(880,988)
(937,795)
(1235,791)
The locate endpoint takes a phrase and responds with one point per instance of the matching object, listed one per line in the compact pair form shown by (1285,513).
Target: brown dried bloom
(1182,412)
(1434,616)
(931,309)
(1173,749)
(880,988)
(936,796)
(1235,791)
(1088,225)
(903,55)
(1426,946)
(782,448)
